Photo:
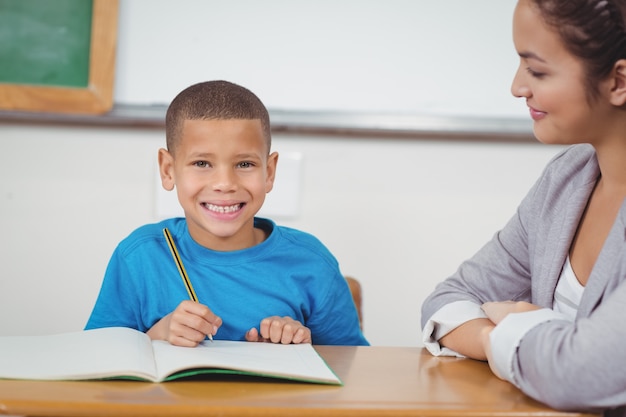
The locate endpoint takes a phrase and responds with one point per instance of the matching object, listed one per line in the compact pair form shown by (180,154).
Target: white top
(568,292)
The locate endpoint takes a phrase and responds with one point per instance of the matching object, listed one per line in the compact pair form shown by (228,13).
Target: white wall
(452,57)
(400,215)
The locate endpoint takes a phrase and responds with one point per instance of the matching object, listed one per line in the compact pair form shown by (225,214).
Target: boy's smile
(221,171)
(223,209)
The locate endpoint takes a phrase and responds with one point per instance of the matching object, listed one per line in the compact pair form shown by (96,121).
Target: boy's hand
(498,310)
(283,330)
(188,325)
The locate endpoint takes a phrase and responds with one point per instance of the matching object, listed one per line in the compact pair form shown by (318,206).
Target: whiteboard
(448,57)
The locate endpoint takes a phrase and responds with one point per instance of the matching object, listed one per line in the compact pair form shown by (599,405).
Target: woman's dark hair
(592,30)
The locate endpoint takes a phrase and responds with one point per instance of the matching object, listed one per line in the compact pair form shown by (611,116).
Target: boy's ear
(618,86)
(272,161)
(166,169)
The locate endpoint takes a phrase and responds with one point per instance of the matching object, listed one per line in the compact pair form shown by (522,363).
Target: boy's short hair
(214,100)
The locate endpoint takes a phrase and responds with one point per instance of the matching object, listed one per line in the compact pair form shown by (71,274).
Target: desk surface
(378,381)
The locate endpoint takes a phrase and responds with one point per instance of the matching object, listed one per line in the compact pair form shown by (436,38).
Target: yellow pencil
(181,268)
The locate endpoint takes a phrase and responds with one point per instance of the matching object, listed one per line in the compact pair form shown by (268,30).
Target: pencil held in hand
(181,269)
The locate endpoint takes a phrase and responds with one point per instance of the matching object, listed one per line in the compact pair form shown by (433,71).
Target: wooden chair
(355,289)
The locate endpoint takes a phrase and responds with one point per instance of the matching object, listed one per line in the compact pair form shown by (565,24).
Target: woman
(544,300)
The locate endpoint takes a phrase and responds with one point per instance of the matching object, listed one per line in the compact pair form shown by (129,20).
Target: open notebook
(123,353)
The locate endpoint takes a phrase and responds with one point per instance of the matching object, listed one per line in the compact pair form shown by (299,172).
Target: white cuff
(507,335)
(446,319)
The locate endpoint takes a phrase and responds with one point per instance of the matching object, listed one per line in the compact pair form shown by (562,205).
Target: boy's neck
(228,244)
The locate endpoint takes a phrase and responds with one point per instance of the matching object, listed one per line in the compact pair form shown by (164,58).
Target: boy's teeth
(223,209)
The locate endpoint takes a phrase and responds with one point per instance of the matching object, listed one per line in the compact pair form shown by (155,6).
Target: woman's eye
(534,73)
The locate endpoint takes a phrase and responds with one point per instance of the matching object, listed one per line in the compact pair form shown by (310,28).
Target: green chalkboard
(45,42)
(57,55)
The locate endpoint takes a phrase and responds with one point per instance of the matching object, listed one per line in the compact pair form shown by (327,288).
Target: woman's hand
(496,311)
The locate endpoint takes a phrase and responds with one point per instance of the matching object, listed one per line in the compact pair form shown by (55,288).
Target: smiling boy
(254,280)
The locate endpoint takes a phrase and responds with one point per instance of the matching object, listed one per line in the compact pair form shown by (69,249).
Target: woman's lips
(536,114)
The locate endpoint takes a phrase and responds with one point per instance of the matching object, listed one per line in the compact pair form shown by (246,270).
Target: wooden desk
(378,381)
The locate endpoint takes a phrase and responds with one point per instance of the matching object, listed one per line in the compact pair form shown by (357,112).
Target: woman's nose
(519,87)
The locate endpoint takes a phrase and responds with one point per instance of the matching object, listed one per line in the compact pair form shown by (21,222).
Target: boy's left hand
(283,330)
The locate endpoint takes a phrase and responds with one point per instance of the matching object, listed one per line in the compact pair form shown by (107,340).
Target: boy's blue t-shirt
(290,274)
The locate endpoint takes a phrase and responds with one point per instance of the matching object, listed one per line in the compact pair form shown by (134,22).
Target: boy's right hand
(187,326)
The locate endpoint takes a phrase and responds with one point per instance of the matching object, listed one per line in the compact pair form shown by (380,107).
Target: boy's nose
(224,180)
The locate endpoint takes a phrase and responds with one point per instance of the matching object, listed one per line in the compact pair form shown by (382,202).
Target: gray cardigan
(569,366)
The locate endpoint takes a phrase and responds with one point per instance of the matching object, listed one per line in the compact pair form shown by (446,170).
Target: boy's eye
(245,164)
(201,164)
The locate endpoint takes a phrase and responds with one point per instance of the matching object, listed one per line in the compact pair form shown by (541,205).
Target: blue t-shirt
(289,274)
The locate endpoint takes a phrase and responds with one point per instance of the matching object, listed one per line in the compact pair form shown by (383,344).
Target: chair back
(355,290)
